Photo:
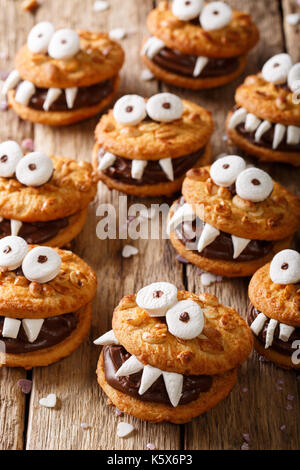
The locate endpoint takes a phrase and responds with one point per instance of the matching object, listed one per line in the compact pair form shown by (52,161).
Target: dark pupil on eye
(63,41)
(157,294)
(225,166)
(187,3)
(166,105)
(215,12)
(4,158)
(40,35)
(284,266)
(7,249)
(275,65)
(129,109)
(255,182)
(184,316)
(42,259)
(32,166)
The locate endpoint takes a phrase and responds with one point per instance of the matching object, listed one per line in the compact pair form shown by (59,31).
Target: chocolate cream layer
(54,330)
(222,247)
(115,356)
(35,232)
(278,345)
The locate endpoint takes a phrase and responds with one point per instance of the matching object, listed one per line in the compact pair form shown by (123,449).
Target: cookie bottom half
(280,360)
(67,234)
(158,412)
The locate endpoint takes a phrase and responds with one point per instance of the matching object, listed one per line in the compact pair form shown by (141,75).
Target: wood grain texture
(291,32)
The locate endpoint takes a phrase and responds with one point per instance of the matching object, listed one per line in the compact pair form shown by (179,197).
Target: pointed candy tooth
(173,383)
(131,366)
(199,65)
(239,244)
(32,328)
(184,214)
(24,92)
(270,333)
(106,339)
(150,375)
(262,128)
(15,227)
(252,122)
(157,298)
(152,47)
(71,94)
(285,332)
(124,429)
(293,135)
(237,117)
(11,82)
(279,132)
(52,95)
(167,166)
(11,327)
(208,235)
(137,168)
(106,161)
(258,323)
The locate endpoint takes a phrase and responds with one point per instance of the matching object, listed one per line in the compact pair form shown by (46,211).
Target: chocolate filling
(184,64)
(278,345)
(115,356)
(153,173)
(35,232)
(53,331)
(221,247)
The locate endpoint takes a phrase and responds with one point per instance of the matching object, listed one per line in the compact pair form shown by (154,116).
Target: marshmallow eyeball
(186,10)
(41,264)
(285,267)
(130,110)
(12,252)
(65,43)
(254,185)
(39,37)
(10,156)
(277,68)
(225,171)
(157,298)
(294,77)
(215,15)
(35,169)
(185,319)
(164,107)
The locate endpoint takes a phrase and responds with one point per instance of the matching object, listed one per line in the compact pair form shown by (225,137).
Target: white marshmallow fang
(261,130)
(184,214)
(252,122)
(199,65)
(52,95)
(106,161)
(258,323)
(173,383)
(167,166)
(24,92)
(270,333)
(239,244)
(237,118)
(11,82)
(11,327)
(106,339)
(293,135)
(152,47)
(137,168)
(285,332)
(71,94)
(131,366)
(150,375)
(279,132)
(15,227)
(32,328)
(208,235)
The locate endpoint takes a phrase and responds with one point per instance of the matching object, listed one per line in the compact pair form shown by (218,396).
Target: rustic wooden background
(264,403)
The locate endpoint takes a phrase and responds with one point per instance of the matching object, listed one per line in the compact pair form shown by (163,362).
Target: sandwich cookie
(274,309)
(171,355)
(265,121)
(63,76)
(231,219)
(43,199)
(45,303)
(196,45)
(145,146)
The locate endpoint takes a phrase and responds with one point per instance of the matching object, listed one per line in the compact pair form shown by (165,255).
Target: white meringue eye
(254,185)
(41,264)
(12,252)
(285,267)
(130,110)
(34,169)
(294,77)
(39,37)
(185,319)
(187,9)
(215,15)
(156,298)
(64,44)
(277,68)
(10,155)
(164,107)
(225,171)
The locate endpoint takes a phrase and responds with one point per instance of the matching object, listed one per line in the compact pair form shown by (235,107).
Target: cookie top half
(238,35)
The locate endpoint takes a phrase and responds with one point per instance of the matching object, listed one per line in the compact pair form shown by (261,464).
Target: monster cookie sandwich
(274,311)
(265,121)
(63,76)
(231,219)
(196,45)
(171,355)
(45,303)
(144,147)
(43,199)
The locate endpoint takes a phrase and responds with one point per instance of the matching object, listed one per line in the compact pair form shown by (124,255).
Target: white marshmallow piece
(130,110)
(11,327)
(184,214)
(279,132)
(24,92)
(71,94)
(124,429)
(117,34)
(207,279)
(52,95)
(237,118)
(35,169)
(11,82)
(258,323)
(285,267)
(270,333)
(185,319)
(199,65)
(150,375)
(106,339)
(276,69)
(208,235)
(106,161)
(261,130)
(152,47)
(293,18)
(137,168)
(129,250)
(215,15)
(239,244)
(10,155)
(39,37)
(225,170)
(131,366)
(41,264)
(32,328)
(285,332)
(15,227)
(254,185)
(49,401)
(174,384)
(294,77)
(157,298)
(100,5)
(12,252)
(293,135)
(164,107)
(167,167)
(64,44)
(187,10)
(252,122)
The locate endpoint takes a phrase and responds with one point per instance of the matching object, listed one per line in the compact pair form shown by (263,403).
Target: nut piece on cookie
(45,303)
(145,146)
(43,199)
(265,121)
(274,310)
(63,76)
(238,218)
(171,355)
(197,45)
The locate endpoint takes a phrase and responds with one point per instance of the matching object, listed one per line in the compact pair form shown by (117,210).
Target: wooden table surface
(258,405)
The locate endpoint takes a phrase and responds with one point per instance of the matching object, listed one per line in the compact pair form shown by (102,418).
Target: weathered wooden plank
(291,32)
